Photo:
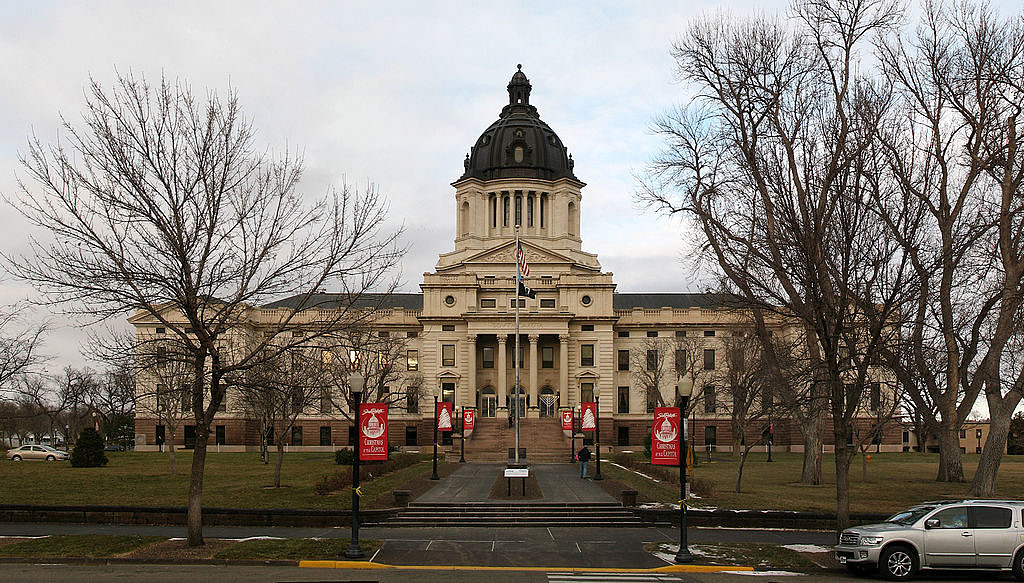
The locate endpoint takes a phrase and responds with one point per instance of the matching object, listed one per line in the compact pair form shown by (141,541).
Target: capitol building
(579,339)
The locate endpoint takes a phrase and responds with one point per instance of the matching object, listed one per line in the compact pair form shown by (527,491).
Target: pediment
(506,253)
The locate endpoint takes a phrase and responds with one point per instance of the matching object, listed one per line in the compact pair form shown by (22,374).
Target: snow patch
(242,540)
(807,548)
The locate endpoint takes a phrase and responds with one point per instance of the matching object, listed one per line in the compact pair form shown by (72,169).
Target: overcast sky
(389,92)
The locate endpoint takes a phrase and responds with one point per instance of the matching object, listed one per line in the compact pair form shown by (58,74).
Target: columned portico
(534,339)
(469,398)
(563,370)
(502,371)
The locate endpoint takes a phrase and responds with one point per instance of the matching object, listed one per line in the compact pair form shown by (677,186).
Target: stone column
(469,395)
(534,390)
(502,369)
(563,370)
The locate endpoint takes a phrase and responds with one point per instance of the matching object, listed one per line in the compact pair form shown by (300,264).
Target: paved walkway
(558,483)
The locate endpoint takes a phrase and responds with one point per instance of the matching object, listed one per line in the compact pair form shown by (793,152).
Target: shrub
(88,452)
(702,487)
(344,457)
(647,444)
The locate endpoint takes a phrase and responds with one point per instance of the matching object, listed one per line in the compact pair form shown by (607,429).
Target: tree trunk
(811,472)
(737,443)
(195,487)
(739,468)
(984,482)
(842,484)
(280,462)
(170,450)
(864,466)
(951,465)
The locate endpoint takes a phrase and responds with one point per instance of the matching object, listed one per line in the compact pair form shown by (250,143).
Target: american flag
(524,268)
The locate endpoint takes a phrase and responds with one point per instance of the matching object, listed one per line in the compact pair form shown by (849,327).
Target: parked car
(36,452)
(948,534)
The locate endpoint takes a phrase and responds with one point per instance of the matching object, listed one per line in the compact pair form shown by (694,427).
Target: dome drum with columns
(579,339)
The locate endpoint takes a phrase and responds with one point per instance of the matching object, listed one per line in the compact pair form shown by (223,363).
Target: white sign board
(517,472)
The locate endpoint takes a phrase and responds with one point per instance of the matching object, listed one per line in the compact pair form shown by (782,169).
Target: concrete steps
(542,438)
(499,514)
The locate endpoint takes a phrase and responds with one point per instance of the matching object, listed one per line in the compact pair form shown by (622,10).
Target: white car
(36,452)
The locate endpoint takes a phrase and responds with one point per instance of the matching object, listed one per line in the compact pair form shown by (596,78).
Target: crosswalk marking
(610,577)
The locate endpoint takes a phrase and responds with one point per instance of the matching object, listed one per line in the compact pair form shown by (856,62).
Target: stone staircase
(497,514)
(542,438)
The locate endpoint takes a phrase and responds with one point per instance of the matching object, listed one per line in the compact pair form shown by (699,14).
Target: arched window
(572,219)
(464,218)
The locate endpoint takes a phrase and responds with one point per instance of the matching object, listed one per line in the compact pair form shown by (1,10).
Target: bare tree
(165,379)
(777,164)
(19,347)
(959,164)
(652,366)
(880,411)
(162,204)
(61,399)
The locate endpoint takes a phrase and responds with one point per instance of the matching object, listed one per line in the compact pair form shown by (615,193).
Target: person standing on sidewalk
(584,456)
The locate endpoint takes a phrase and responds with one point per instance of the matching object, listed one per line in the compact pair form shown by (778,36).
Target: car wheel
(898,563)
(16,458)
(50,458)
(1018,565)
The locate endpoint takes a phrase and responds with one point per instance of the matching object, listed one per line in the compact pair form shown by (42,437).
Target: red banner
(373,431)
(665,436)
(588,417)
(444,416)
(468,419)
(567,420)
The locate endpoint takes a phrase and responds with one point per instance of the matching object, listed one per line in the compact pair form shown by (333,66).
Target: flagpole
(515,354)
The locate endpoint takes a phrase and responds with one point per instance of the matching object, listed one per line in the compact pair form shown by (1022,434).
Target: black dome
(519,144)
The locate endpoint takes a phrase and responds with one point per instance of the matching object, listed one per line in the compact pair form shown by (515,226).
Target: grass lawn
(233,480)
(894,481)
(76,546)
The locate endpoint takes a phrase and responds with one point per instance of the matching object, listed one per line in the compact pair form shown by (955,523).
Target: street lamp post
(434,475)
(572,436)
(683,556)
(353,551)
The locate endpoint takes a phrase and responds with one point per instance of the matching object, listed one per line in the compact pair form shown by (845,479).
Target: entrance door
(547,402)
(519,405)
(488,403)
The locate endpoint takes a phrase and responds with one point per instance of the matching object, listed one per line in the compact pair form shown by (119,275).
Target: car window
(952,517)
(992,517)
(36,448)
(908,517)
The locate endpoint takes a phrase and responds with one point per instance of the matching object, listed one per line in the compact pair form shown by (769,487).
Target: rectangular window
(161,434)
(963,434)
(623,360)
(543,210)
(383,334)
(410,435)
(487,361)
(710,435)
(680,360)
(547,303)
(325,435)
(161,330)
(623,405)
(652,360)
(325,401)
(412,334)
(221,437)
(992,517)
(652,333)
(680,333)
(652,402)
(448,392)
(511,362)
(623,333)
(161,356)
(412,404)
(710,399)
(512,303)
(447,327)
(504,211)
(296,436)
(587,392)
(223,406)
(876,396)
(709,333)
(529,211)
(709,359)
(488,303)
(412,359)
(587,327)
(447,355)
(161,390)
(298,333)
(519,210)
(297,400)
(547,357)
(586,355)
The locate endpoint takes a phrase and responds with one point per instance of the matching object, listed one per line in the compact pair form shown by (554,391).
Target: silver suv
(950,534)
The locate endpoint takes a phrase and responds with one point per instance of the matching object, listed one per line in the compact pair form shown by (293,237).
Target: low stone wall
(176,515)
(752,518)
